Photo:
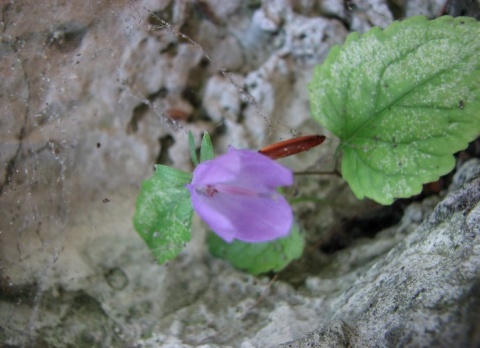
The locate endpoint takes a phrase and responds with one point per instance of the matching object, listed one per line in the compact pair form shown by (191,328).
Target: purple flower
(235,194)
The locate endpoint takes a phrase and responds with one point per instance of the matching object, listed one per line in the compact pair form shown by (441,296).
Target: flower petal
(217,221)
(219,170)
(248,169)
(246,218)
(235,194)
(260,171)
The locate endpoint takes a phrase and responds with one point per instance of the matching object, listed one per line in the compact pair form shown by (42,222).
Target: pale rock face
(93,94)
(422,291)
(430,8)
(366,14)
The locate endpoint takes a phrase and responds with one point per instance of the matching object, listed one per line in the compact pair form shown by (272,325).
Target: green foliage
(402,101)
(257,258)
(206,150)
(163,215)
(193,150)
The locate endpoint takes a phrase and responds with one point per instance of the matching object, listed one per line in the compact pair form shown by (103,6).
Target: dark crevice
(141,110)
(191,27)
(13,293)
(9,169)
(138,113)
(365,226)
(195,84)
(163,156)
(161,93)
(6,11)
(192,97)
(370,223)
(469,8)
(157,19)
(396,9)
(67,36)
(170,50)
(205,11)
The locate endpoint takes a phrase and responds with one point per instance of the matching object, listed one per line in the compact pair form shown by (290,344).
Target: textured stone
(94,93)
(430,8)
(363,15)
(423,292)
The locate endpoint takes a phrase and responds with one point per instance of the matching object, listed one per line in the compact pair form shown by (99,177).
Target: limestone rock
(92,94)
(423,292)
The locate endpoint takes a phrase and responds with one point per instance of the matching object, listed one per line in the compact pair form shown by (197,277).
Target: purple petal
(247,218)
(219,170)
(214,218)
(261,171)
(248,169)
(235,194)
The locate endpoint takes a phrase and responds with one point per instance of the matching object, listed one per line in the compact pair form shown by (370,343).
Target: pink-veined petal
(246,218)
(211,216)
(219,170)
(235,194)
(258,170)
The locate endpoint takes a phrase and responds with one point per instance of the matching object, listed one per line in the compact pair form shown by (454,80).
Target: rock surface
(424,292)
(92,94)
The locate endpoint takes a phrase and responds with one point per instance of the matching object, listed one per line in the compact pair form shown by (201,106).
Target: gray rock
(424,292)
(93,93)
(428,8)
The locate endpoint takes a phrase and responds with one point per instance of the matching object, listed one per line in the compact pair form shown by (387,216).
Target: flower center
(210,190)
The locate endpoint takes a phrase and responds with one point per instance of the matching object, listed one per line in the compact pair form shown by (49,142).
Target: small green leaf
(163,215)
(402,101)
(206,150)
(257,258)
(193,150)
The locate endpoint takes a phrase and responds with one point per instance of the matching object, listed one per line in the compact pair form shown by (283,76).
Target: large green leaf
(402,101)
(163,216)
(257,258)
